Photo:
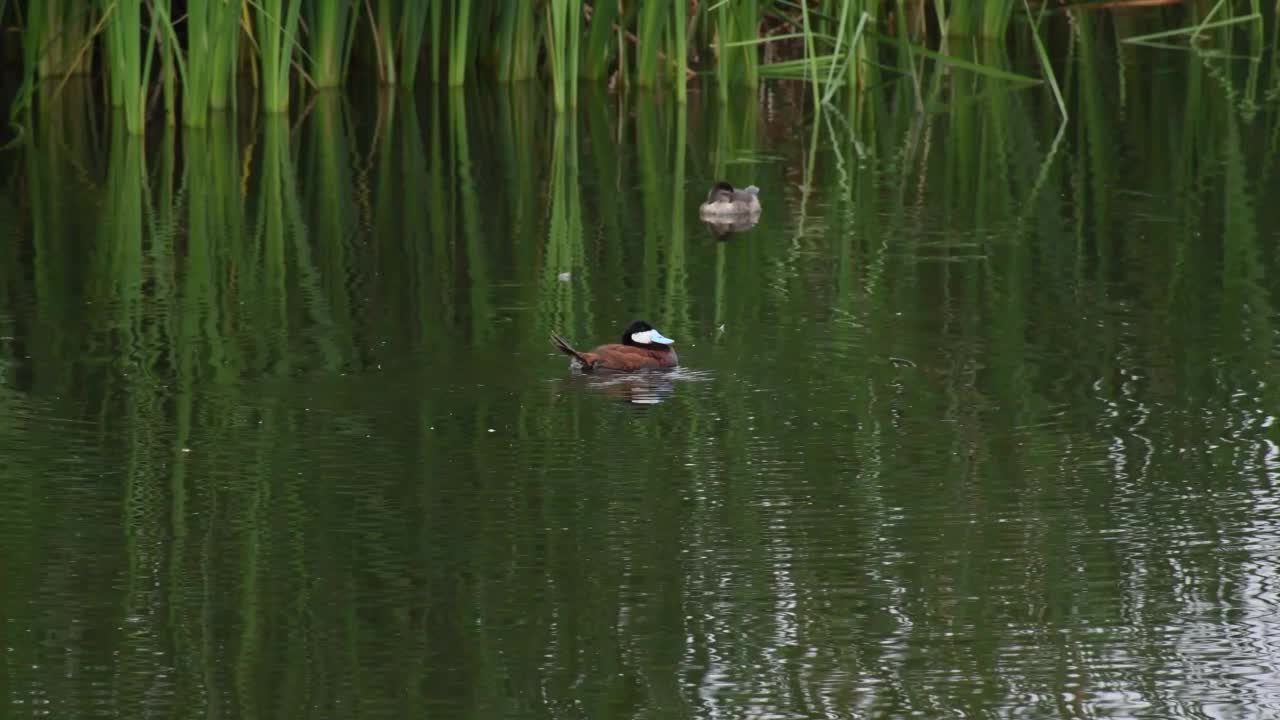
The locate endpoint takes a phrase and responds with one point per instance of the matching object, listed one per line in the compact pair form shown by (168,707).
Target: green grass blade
(1191,31)
(1046,66)
(752,42)
(953,61)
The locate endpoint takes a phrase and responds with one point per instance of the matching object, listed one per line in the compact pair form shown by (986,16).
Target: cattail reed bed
(180,61)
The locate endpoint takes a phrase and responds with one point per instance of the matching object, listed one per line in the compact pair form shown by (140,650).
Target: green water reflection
(977,420)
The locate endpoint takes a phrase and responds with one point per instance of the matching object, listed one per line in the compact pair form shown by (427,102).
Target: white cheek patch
(642,338)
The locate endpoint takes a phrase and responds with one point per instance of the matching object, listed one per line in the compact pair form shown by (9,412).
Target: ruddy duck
(642,348)
(723,201)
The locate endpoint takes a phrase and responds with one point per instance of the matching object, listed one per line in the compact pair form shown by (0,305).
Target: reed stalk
(384,40)
(563,18)
(737,58)
(961,20)
(436,24)
(508,18)
(170,59)
(127,59)
(573,28)
(680,52)
(997,17)
(597,51)
(458,42)
(276,25)
(226,50)
(61,32)
(811,54)
(332,24)
(413,29)
(653,19)
(208,72)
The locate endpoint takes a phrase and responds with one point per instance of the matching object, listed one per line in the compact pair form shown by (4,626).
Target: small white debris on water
(186,450)
(492,430)
(564,276)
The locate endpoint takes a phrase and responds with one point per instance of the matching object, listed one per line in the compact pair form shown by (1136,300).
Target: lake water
(978,421)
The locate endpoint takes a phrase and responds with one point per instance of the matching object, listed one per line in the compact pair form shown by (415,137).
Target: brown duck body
(626,356)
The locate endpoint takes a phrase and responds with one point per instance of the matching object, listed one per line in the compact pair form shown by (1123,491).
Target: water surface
(978,421)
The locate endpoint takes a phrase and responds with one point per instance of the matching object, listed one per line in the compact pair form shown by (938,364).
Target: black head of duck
(724,200)
(642,348)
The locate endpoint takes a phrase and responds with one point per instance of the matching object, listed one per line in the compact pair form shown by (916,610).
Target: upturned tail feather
(563,346)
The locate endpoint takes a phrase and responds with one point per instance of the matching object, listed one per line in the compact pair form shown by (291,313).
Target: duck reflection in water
(644,388)
(724,228)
